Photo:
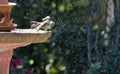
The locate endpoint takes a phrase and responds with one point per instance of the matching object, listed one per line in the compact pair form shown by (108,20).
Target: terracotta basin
(3,1)
(5,9)
(18,38)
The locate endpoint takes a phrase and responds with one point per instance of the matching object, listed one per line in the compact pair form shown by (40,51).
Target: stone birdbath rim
(25,36)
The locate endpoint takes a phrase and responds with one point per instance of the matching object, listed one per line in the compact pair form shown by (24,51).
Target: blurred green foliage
(66,51)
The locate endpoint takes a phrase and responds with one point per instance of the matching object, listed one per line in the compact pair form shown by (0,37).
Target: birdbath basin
(18,38)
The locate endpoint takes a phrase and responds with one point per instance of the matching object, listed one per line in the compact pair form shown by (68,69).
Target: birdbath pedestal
(17,38)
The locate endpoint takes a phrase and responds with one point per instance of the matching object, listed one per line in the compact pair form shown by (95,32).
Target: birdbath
(11,38)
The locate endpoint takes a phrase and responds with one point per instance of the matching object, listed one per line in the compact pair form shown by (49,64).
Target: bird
(46,24)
